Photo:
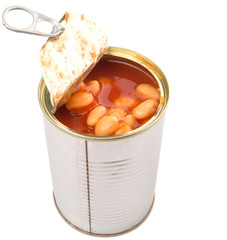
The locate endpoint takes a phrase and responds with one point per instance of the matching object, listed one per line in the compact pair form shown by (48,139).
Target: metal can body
(105,185)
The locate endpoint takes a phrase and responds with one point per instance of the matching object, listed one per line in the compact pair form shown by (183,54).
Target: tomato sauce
(118,78)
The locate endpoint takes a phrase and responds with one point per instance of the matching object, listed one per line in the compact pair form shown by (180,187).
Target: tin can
(105,185)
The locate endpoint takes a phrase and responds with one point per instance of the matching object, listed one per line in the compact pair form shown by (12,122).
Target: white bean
(130,120)
(79,99)
(124,128)
(95,114)
(125,102)
(93,86)
(106,126)
(145,109)
(148,91)
(117,112)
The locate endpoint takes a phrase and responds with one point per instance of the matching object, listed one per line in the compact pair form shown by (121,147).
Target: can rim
(45,103)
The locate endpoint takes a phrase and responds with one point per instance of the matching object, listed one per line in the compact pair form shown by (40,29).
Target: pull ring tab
(37,17)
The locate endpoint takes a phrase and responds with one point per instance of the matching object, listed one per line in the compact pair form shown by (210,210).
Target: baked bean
(130,120)
(106,126)
(95,114)
(79,99)
(117,112)
(81,85)
(124,127)
(93,86)
(145,109)
(125,102)
(148,91)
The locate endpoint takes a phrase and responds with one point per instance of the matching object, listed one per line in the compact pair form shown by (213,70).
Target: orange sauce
(117,77)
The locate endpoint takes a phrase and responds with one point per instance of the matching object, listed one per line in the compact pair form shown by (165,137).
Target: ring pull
(32,29)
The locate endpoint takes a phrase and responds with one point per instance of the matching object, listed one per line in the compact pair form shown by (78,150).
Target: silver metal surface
(122,177)
(32,29)
(105,185)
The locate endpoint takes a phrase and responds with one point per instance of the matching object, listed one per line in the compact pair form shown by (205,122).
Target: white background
(188,41)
